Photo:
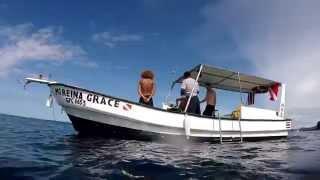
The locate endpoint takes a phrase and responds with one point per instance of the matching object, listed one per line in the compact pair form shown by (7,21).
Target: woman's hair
(147,74)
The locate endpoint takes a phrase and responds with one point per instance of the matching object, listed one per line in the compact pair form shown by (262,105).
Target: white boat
(95,113)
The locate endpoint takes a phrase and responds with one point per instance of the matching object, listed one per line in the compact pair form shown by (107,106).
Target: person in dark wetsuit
(146,88)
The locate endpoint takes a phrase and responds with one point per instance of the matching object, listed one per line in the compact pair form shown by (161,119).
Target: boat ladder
(232,139)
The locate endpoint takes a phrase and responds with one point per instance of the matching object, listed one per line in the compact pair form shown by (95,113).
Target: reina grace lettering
(74,94)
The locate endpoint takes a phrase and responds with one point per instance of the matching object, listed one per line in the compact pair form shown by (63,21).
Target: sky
(104,45)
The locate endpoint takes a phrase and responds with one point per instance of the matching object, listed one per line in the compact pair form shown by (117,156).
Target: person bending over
(146,88)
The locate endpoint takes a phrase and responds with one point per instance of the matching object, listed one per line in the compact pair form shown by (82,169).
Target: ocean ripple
(39,149)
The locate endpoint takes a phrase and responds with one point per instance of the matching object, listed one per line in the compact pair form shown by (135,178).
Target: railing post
(240,128)
(220,128)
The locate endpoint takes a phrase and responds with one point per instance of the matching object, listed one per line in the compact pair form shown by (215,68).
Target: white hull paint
(108,110)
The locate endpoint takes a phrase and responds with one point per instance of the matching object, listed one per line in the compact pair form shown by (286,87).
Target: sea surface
(42,149)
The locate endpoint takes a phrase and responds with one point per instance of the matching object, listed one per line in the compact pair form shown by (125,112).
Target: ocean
(42,149)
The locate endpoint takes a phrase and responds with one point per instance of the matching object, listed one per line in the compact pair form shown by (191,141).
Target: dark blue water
(39,149)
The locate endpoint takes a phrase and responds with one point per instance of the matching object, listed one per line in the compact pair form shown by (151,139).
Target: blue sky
(104,45)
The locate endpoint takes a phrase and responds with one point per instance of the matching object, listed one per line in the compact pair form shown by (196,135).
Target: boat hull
(86,127)
(95,113)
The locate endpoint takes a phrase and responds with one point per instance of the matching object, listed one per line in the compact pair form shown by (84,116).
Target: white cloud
(22,43)
(112,40)
(281,39)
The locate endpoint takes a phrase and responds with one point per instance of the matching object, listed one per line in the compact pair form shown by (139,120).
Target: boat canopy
(229,80)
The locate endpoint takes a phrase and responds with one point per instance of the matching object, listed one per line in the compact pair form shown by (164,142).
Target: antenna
(173,72)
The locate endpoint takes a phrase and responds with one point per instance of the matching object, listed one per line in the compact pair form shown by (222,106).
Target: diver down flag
(273,92)
(127,107)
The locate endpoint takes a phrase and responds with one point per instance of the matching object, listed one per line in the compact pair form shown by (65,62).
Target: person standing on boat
(210,99)
(147,88)
(186,90)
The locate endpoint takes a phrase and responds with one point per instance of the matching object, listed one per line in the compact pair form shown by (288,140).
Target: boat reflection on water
(100,157)
(295,157)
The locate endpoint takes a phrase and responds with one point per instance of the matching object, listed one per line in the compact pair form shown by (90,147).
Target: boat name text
(76,97)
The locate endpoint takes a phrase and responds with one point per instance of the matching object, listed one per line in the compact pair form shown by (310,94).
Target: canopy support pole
(239,120)
(240,88)
(194,85)
(186,120)
(282,101)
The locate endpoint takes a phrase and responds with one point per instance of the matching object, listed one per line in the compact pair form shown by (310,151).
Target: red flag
(273,91)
